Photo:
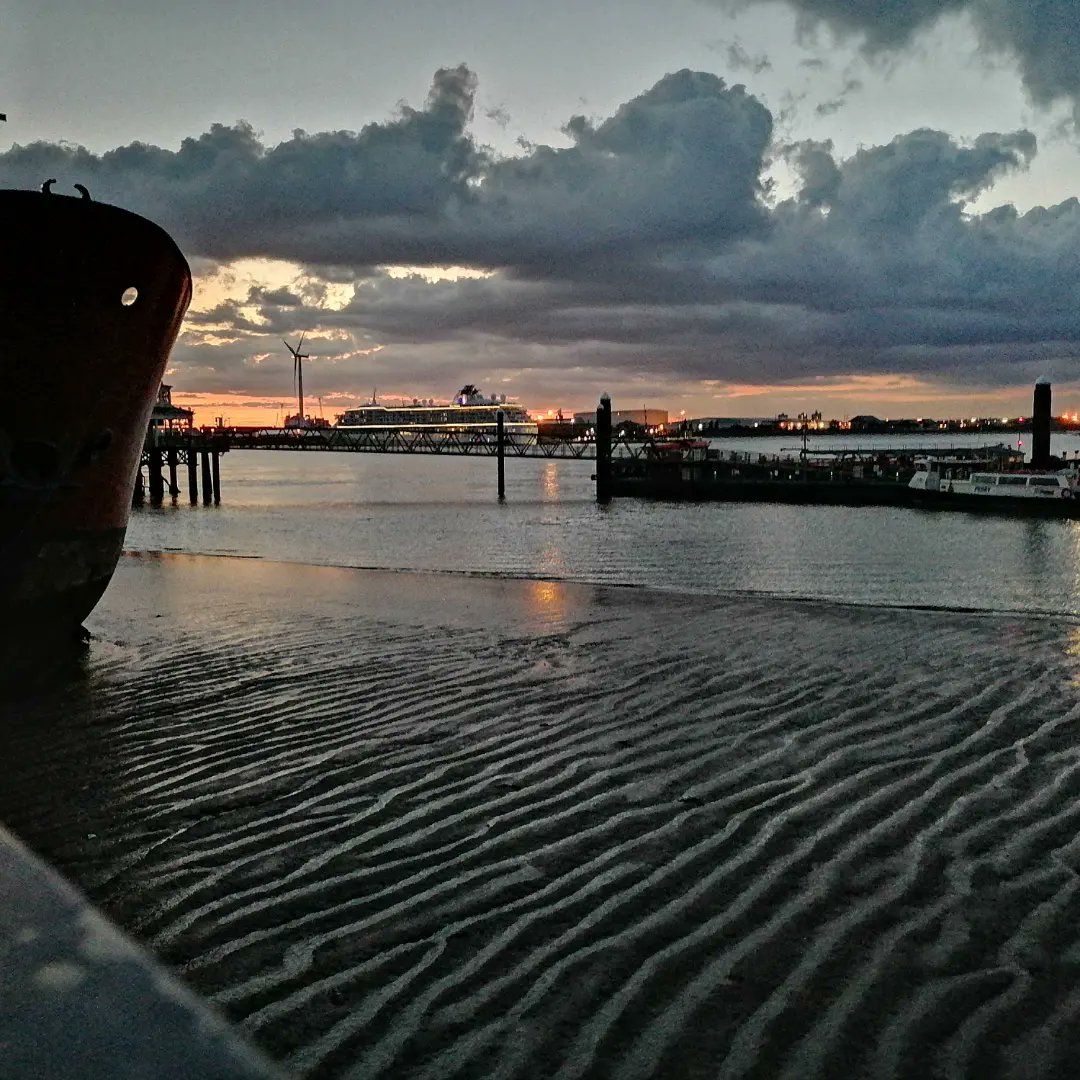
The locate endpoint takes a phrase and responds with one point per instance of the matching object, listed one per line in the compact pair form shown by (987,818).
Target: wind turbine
(298,373)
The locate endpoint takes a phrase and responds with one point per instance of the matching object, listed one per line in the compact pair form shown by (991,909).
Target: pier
(166,452)
(601,447)
(646,467)
(449,442)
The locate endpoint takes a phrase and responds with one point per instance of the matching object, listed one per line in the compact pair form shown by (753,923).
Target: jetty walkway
(447,442)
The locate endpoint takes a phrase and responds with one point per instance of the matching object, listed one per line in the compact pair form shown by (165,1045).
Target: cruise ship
(469,411)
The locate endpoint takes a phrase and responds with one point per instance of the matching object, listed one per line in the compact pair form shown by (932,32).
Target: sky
(717,207)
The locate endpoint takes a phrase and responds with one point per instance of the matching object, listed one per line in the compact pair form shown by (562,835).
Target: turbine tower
(298,374)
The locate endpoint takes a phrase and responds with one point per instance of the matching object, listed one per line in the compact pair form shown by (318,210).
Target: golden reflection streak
(549,480)
(548,600)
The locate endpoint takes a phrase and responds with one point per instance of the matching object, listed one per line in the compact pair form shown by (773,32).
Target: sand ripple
(603,833)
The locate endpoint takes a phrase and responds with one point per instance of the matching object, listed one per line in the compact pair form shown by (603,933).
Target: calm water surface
(441,514)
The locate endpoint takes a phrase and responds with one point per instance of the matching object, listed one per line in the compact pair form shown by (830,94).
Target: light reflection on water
(422,513)
(548,601)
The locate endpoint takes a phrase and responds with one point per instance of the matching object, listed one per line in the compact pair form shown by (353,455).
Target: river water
(424,513)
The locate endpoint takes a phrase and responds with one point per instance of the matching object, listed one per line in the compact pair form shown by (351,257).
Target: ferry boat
(470,410)
(91,298)
(1040,492)
(937,475)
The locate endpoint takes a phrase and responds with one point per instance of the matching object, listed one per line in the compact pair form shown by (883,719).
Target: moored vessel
(944,483)
(92,297)
(470,410)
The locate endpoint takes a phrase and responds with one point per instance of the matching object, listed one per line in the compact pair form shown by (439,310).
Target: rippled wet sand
(431,826)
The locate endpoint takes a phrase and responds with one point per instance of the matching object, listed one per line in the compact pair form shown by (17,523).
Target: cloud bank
(651,246)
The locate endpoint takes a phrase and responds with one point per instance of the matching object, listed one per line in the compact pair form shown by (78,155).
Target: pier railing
(445,441)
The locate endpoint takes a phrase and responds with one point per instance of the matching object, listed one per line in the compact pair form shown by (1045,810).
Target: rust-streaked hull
(79,373)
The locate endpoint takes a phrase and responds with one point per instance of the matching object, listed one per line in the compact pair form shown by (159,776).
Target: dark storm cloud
(682,159)
(326,197)
(875,267)
(1041,36)
(883,24)
(650,245)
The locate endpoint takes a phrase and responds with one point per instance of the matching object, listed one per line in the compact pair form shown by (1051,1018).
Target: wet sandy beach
(431,825)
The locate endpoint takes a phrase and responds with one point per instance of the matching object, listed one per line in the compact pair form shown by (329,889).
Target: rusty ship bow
(92,297)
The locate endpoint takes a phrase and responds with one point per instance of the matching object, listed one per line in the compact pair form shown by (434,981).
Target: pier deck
(445,442)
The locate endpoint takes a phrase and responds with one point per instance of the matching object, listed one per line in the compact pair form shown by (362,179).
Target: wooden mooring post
(207,482)
(215,476)
(192,471)
(603,450)
(500,452)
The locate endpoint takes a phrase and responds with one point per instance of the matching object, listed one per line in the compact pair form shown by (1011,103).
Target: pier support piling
(1040,425)
(207,482)
(215,476)
(603,450)
(192,472)
(174,488)
(500,449)
(157,481)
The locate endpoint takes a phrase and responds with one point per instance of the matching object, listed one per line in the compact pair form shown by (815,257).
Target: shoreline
(626,586)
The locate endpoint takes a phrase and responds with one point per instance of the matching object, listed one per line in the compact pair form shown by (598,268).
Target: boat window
(1014,481)
(1043,481)
(982,478)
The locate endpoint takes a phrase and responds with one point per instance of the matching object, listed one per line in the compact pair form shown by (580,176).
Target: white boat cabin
(946,475)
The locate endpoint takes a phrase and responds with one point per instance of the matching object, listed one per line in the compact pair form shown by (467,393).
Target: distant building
(721,422)
(715,425)
(867,424)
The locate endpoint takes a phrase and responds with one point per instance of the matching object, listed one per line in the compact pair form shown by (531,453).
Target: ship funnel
(1040,425)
